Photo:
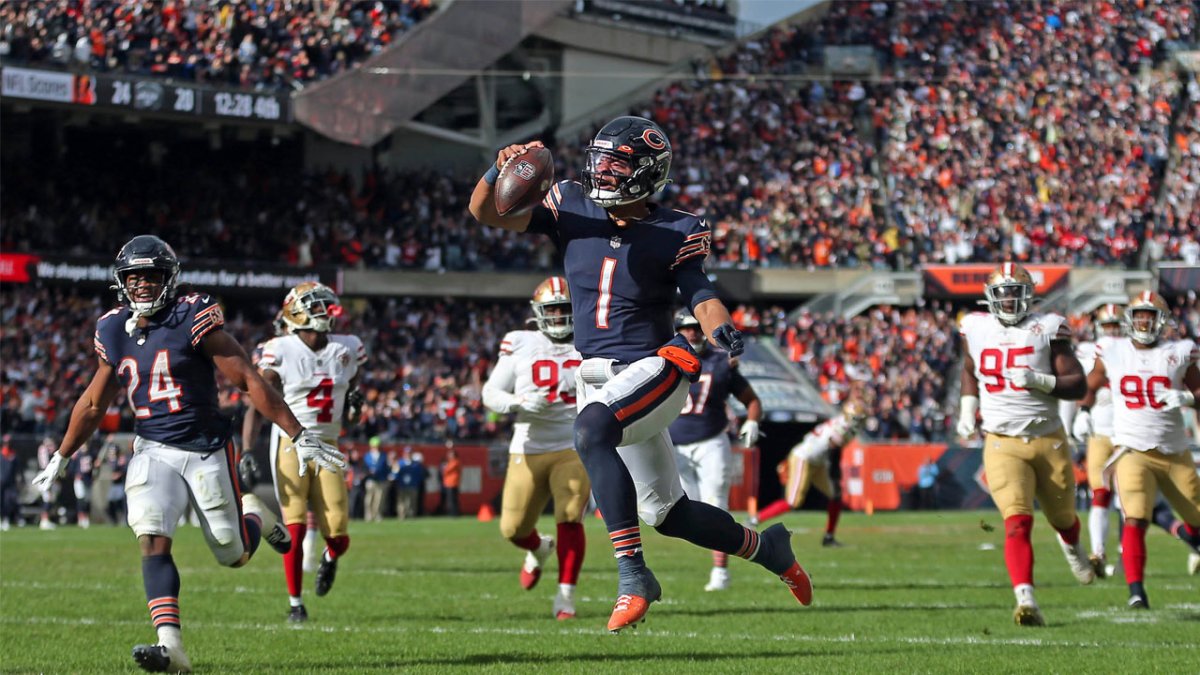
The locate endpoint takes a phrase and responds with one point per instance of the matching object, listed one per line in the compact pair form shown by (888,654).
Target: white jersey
(1137,378)
(995,347)
(832,433)
(1102,410)
(532,365)
(315,384)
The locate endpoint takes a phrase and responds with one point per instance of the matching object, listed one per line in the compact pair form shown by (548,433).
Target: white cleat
(1193,564)
(47,525)
(718,579)
(1080,565)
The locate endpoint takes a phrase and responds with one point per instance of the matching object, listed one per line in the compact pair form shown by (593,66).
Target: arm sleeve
(497,391)
(98,345)
(545,216)
(693,283)
(270,357)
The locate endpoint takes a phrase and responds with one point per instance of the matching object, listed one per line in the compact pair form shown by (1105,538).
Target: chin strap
(131,324)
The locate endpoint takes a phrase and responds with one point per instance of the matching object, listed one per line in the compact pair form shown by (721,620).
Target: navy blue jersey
(703,415)
(623,279)
(172,386)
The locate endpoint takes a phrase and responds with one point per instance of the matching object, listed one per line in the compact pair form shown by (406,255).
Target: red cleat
(531,571)
(529,578)
(797,580)
(629,611)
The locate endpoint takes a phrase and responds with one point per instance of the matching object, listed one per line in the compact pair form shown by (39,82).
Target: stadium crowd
(265,45)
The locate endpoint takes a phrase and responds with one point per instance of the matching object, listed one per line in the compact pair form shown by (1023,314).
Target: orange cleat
(631,608)
(797,580)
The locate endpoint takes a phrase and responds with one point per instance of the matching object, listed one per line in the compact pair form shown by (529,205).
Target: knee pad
(144,518)
(596,426)
(655,510)
(232,554)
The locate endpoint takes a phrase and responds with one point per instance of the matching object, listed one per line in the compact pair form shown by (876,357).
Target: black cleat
(152,658)
(298,614)
(829,542)
(279,538)
(326,573)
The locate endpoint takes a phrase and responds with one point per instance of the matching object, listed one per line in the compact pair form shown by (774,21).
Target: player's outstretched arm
(483,198)
(229,357)
(1096,379)
(1070,380)
(85,419)
(718,325)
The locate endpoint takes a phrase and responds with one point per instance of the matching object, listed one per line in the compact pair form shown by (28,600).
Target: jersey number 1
(608,270)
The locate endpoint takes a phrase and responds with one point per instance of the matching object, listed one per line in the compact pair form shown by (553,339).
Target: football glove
(354,405)
(533,404)
(967,407)
(1027,378)
(1081,428)
(1177,398)
(310,448)
(55,469)
(729,338)
(748,434)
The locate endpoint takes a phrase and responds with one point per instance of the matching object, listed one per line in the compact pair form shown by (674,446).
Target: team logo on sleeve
(615,242)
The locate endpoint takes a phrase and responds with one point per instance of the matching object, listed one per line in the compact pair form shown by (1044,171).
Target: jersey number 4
(162,385)
(993,362)
(321,398)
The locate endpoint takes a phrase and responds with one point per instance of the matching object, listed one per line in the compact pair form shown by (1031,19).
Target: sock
(1164,518)
(1018,550)
(253,526)
(1102,497)
(336,547)
(833,511)
(597,433)
(1098,528)
(1024,593)
(295,601)
(160,578)
(1070,534)
(1189,534)
(773,510)
(566,591)
(1133,551)
(709,527)
(529,542)
(293,560)
(571,546)
(720,559)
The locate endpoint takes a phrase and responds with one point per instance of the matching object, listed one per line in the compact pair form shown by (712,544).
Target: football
(524,180)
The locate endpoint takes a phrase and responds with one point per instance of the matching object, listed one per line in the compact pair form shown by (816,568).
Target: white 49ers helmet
(1109,319)
(855,411)
(1146,329)
(311,306)
(552,308)
(1009,291)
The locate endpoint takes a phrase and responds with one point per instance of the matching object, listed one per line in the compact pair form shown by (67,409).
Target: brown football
(524,180)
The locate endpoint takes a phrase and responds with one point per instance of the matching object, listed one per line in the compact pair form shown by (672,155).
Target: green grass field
(909,592)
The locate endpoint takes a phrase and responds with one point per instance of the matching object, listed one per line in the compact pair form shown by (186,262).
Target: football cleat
(326,573)
(531,571)
(829,542)
(1138,602)
(564,607)
(718,579)
(298,614)
(1028,615)
(1099,565)
(162,659)
(272,530)
(800,584)
(632,605)
(1081,566)
(1193,564)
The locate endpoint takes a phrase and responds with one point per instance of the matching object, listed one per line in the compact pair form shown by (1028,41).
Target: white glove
(967,407)
(1177,398)
(1081,428)
(748,434)
(1027,378)
(310,448)
(533,404)
(55,468)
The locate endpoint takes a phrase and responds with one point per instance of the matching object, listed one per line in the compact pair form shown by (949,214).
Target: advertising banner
(966,281)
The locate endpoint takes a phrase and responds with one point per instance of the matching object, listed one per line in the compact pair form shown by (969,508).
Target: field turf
(911,592)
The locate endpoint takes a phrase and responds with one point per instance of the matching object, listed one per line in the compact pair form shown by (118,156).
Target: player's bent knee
(654,508)
(596,427)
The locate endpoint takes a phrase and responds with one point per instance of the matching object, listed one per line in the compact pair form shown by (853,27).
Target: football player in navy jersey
(164,350)
(625,257)
(700,433)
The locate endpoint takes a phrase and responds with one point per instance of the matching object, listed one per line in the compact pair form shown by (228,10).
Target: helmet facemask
(554,318)
(636,178)
(1145,324)
(133,294)
(313,308)
(1009,302)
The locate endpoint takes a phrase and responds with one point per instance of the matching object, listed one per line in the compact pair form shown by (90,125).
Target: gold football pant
(797,475)
(1141,475)
(323,492)
(530,482)
(1018,470)
(1099,450)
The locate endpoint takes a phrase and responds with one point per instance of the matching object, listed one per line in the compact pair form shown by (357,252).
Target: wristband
(492,174)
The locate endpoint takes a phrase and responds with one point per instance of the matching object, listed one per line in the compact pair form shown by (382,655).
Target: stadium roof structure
(462,39)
